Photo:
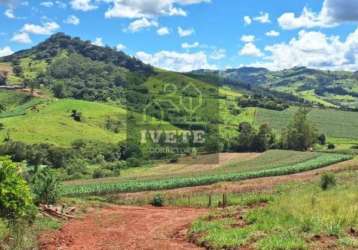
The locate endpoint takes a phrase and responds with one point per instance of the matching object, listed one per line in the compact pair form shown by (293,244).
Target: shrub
(15,195)
(133,162)
(45,186)
(328,180)
(157,201)
(331,146)
(101,173)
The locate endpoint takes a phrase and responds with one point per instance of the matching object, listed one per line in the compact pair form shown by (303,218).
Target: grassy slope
(52,123)
(293,219)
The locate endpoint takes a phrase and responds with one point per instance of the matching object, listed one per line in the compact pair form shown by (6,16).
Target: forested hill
(59,42)
(337,89)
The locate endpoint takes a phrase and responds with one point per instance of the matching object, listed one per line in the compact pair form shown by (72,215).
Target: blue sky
(184,35)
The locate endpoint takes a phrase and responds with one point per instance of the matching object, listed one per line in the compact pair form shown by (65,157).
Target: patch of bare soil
(125,228)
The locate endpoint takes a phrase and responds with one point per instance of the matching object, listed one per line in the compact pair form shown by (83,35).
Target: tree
(300,134)
(247,133)
(59,90)
(264,139)
(322,139)
(15,195)
(45,187)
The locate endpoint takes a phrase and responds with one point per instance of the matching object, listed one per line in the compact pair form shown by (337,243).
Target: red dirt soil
(125,228)
(149,228)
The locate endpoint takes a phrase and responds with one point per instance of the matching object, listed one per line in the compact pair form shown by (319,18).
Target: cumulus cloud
(163,31)
(21,37)
(250,49)
(247,20)
(121,47)
(331,14)
(171,60)
(83,5)
(44,29)
(6,51)
(148,8)
(190,45)
(314,50)
(247,38)
(72,20)
(142,23)
(272,33)
(185,32)
(98,42)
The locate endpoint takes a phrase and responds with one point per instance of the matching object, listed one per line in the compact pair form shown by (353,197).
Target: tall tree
(300,134)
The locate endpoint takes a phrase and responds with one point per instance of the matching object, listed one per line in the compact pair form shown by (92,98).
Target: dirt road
(125,228)
(148,228)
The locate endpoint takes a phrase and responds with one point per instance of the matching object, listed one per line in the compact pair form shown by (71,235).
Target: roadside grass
(25,236)
(297,216)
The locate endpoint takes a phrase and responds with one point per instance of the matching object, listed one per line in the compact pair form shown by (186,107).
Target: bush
(45,186)
(157,201)
(328,180)
(101,173)
(15,195)
(331,146)
(133,162)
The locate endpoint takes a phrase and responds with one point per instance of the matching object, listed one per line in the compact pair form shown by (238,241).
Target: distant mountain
(324,88)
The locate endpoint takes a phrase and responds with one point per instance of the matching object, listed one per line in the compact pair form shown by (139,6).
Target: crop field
(333,123)
(231,172)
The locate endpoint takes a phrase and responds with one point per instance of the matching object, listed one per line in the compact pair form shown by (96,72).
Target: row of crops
(177,182)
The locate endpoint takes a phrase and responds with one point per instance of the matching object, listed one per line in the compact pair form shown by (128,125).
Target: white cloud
(247,38)
(171,60)
(140,24)
(332,13)
(190,46)
(44,29)
(148,8)
(185,32)
(9,13)
(83,5)
(47,4)
(121,47)
(247,20)
(98,42)
(72,20)
(307,19)
(314,50)
(163,31)
(6,51)
(218,54)
(250,49)
(264,17)
(21,37)
(272,33)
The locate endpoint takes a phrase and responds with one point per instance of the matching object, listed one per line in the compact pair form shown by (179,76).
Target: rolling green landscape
(87,126)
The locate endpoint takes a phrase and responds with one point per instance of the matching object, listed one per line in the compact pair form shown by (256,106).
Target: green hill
(337,89)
